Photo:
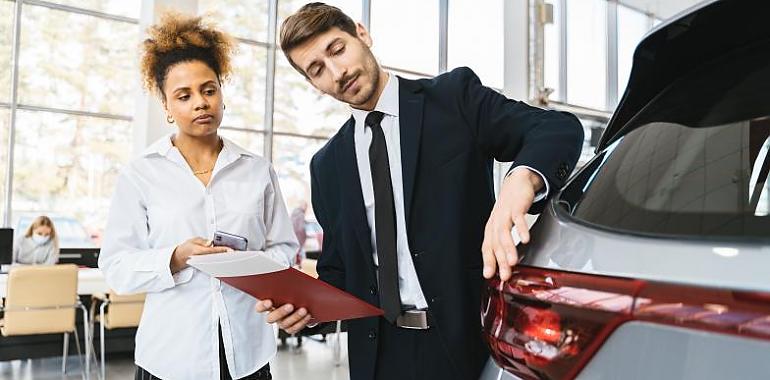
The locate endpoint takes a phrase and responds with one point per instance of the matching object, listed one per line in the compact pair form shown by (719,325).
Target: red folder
(259,275)
(323,301)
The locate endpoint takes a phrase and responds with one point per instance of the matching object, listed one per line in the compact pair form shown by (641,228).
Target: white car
(653,262)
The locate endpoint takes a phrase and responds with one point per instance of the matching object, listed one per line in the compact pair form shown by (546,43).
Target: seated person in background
(38,245)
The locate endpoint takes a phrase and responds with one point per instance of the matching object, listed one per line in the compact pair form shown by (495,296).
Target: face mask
(40,239)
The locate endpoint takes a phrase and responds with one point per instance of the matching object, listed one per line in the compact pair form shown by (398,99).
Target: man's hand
(516,196)
(194,246)
(289,320)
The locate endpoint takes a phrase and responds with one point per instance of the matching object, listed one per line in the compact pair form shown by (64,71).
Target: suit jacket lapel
(410,103)
(350,187)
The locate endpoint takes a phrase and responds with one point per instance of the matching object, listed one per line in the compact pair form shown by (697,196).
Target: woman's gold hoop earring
(169,119)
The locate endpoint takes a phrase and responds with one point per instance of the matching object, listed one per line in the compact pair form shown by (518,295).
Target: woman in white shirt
(169,202)
(38,245)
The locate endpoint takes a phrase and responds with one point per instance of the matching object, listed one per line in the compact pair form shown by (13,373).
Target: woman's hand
(194,246)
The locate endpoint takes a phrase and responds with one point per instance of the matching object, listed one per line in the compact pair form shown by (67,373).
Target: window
(67,165)
(70,63)
(696,166)
(587,53)
(4,128)
(6,48)
(291,159)
(405,34)
(244,93)
(254,142)
(77,62)
(552,54)
(244,19)
(632,26)
(300,108)
(125,8)
(475,39)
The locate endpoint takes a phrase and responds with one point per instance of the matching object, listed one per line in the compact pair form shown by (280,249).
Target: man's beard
(373,70)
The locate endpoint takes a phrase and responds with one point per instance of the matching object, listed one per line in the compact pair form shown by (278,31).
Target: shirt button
(433,300)
(372,334)
(373,290)
(416,254)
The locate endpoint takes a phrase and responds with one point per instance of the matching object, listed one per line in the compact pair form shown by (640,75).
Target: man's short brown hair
(309,21)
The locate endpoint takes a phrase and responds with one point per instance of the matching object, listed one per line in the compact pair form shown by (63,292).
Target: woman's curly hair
(180,38)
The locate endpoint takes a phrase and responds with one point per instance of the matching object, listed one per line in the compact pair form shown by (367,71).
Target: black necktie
(384,219)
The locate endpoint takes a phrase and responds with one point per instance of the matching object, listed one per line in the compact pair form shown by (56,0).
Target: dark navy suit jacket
(452,128)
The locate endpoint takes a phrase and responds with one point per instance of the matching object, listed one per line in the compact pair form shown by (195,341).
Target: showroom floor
(315,360)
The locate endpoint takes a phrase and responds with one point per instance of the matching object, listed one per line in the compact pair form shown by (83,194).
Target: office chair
(115,311)
(42,300)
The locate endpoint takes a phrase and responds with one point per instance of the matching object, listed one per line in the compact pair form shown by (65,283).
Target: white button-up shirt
(157,205)
(408,283)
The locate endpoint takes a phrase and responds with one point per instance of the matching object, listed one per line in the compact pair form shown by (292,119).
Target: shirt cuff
(543,193)
(158,261)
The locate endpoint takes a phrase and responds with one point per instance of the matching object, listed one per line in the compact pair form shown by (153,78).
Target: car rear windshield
(693,162)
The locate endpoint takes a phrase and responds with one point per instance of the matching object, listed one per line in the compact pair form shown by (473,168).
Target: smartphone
(224,239)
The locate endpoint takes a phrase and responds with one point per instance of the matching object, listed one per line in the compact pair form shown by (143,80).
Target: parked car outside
(653,262)
(315,236)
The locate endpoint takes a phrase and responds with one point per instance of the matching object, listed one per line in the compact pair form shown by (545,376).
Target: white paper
(232,264)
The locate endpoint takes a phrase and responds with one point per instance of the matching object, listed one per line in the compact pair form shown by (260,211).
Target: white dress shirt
(408,283)
(157,205)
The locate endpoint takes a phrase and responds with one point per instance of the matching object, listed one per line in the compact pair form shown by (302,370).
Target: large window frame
(13,105)
(613,95)
(515,82)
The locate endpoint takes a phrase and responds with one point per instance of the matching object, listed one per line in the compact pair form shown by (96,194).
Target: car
(315,236)
(69,230)
(653,261)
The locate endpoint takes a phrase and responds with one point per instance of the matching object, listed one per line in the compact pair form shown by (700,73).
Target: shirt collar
(387,104)
(164,147)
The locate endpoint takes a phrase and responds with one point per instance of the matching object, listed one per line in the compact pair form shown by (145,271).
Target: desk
(90,281)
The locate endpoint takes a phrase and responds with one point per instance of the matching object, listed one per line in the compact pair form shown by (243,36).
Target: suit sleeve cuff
(543,193)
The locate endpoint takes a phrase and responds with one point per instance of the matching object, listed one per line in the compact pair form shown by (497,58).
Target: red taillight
(545,324)
(542,325)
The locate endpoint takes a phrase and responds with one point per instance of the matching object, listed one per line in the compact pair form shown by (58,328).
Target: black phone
(224,239)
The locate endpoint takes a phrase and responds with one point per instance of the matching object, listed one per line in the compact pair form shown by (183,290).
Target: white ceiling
(662,8)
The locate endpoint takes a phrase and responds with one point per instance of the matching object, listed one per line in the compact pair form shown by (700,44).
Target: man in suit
(404,193)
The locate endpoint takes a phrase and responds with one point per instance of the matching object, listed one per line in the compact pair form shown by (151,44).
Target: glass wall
(6,46)
(632,26)
(4,128)
(77,62)
(587,53)
(475,39)
(77,82)
(66,166)
(411,43)
(552,51)
(585,72)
